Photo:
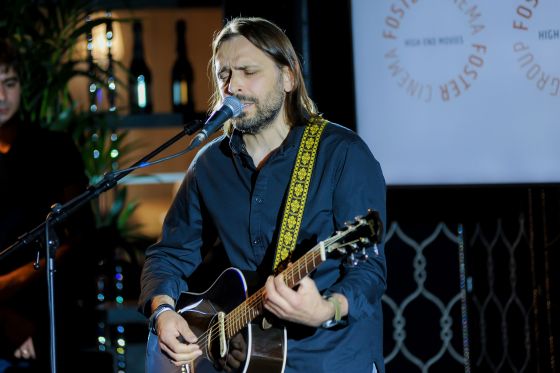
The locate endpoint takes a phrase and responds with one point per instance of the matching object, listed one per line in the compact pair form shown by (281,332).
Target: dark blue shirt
(224,196)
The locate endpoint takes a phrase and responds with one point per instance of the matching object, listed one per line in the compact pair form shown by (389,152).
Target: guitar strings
(237,315)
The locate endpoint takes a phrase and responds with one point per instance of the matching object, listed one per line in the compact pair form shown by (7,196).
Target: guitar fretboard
(253,306)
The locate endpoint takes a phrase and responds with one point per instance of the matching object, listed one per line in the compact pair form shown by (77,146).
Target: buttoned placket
(260,188)
(258,193)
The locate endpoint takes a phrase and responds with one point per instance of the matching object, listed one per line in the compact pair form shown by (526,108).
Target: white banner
(459,91)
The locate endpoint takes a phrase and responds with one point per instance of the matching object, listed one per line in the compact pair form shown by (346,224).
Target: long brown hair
(269,38)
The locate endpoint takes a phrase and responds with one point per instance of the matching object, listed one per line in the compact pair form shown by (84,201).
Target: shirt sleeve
(171,260)
(360,185)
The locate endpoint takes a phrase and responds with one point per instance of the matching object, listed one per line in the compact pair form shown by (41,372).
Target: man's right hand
(175,338)
(26,350)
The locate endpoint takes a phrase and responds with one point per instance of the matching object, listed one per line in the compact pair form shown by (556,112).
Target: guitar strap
(297,193)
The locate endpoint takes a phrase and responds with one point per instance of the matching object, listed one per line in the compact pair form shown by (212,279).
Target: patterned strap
(297,194)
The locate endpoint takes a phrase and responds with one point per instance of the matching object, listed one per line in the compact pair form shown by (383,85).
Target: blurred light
(114,153)
(141,91)
(103,40)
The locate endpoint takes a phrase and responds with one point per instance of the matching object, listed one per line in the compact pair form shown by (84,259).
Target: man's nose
(235,84)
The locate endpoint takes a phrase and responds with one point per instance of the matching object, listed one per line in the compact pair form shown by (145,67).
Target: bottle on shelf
(182,76)
(140,78)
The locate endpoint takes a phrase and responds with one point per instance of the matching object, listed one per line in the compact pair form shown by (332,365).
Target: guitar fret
(237,321)
(231,322)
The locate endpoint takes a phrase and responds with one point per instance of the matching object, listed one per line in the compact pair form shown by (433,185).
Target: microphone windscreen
(234,104)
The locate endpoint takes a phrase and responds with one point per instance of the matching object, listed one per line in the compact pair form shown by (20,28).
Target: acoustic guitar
(229,324)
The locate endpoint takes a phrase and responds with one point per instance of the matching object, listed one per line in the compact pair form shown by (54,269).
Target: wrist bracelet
(158,311)
(337,318)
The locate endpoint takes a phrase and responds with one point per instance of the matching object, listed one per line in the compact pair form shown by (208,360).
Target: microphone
(230,108)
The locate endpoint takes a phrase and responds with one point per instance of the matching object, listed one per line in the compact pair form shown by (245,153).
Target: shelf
(143,4)
(127,313)
(156,120)
(154,179)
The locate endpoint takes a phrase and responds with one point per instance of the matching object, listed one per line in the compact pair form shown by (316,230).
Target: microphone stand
(60,213)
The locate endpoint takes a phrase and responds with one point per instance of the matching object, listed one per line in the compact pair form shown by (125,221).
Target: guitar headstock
(358,235)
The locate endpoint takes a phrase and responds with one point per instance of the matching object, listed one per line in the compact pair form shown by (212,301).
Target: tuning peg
(351,260)
(365,255)
(365,241)
(375,249)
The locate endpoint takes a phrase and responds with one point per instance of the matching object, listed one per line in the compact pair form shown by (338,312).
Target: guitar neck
(253,306)
(365,231)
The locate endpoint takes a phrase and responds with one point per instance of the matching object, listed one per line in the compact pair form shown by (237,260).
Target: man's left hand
(304,305)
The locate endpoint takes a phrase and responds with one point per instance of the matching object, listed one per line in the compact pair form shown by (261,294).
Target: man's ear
(287,79)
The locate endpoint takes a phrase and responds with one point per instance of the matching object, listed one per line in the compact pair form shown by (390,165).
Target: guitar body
(264,350)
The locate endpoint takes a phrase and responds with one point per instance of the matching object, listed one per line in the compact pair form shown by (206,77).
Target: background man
(37,169)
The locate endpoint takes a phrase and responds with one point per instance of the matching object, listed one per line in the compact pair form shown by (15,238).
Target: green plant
(46,37)
(47,34)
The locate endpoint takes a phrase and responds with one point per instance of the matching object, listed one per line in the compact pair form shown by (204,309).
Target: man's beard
(265,113)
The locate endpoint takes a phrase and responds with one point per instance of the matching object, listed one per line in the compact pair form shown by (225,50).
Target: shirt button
(256,241)
(259,200)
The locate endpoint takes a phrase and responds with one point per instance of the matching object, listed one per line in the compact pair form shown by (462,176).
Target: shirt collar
(294,136)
